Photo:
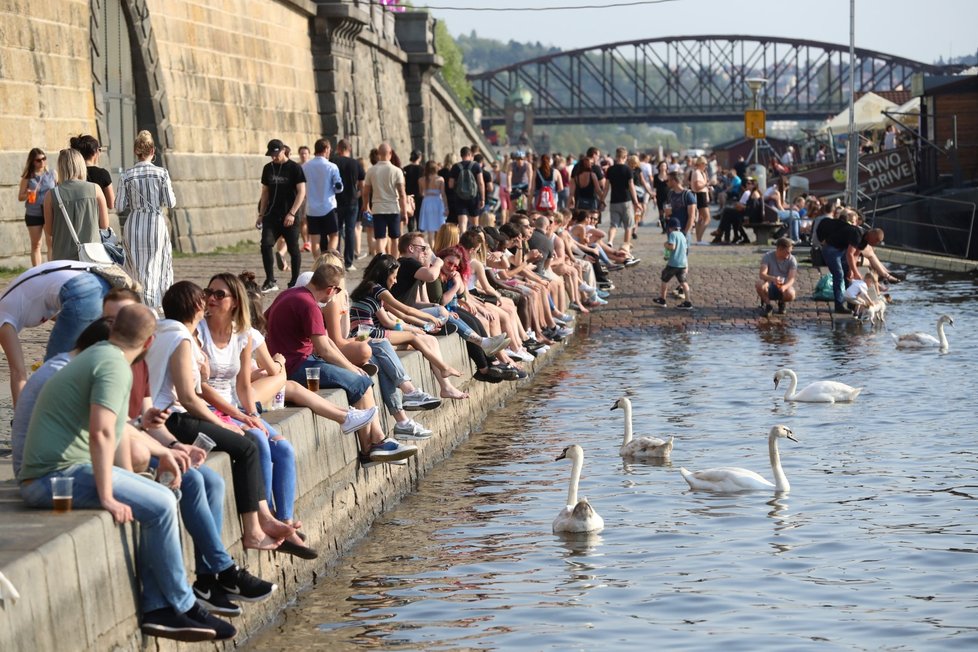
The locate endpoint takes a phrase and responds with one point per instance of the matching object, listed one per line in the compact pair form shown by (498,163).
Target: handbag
(112,246)
(88,252)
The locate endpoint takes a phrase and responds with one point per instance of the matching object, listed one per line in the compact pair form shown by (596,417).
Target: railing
(930,224)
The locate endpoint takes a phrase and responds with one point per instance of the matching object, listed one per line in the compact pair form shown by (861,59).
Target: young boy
(675,265)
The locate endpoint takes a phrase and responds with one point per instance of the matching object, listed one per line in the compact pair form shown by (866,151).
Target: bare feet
(452,392)
(264,543)
(277,529)
(451,372)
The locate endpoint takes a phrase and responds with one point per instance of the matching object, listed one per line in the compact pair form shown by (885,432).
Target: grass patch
(8,273)
(242,247)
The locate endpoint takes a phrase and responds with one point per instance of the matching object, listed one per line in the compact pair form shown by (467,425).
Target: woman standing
(84,205)
(660,188)
(35,182)
(91,150)
(700,184)
(584,190)
(434,208)
(145,189)
(548,185)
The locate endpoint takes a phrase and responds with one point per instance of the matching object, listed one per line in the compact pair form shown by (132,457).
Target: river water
(874,547)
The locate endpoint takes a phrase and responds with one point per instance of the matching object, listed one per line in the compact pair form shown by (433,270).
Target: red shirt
(293,319)
(140,388)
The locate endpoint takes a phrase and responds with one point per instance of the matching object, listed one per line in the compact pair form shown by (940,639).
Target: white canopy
(868,115)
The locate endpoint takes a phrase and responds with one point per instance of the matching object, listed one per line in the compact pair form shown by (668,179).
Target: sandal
(294,549)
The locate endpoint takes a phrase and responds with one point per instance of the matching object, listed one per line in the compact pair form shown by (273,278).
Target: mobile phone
(168,406)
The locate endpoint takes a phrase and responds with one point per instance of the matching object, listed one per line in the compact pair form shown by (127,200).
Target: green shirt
(57,436)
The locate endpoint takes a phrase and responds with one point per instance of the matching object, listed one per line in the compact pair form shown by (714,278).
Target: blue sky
(921,30)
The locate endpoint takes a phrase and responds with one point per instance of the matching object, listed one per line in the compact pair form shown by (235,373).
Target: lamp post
(756,84)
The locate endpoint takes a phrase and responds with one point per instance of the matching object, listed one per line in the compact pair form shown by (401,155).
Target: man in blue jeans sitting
(296,330)
(73,434)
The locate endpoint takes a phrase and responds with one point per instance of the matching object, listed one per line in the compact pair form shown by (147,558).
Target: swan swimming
(577,516)
(923,340)
(731,479)
(822,391)
(643,447)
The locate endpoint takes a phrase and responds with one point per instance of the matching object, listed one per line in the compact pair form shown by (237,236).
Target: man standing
(776,280)
(384,195)
(348,201)
(324,183)
(841,243)
(466,183)
(624,200)
(73,433)
(412,186)
(283,189)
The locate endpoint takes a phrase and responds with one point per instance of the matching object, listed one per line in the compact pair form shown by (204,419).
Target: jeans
(81,304)
(272,229)
(159,558)
(202,508)
(835,260)
(462,328)
(278,468)
(347,216)
(355,385)
(793,220)
(391,373)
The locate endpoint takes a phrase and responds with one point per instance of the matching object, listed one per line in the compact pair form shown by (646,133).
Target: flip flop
(294,549)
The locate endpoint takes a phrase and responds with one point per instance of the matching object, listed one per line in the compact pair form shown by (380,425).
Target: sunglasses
(40,158)
(220,295)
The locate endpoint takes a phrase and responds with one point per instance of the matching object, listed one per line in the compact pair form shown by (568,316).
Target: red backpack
(546,196)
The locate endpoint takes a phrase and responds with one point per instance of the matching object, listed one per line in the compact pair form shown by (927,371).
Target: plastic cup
(278,401)
(204,442)
(61,494)
(312,379)
(363,332)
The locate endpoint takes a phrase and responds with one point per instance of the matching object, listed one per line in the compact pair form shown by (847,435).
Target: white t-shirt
(169,335)
(855,288)
(38,298)
(224,362)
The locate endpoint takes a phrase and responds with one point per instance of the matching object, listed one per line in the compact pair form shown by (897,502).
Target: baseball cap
(673,223)
(274,147)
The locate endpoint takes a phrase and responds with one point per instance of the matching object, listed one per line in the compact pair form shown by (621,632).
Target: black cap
(274,147)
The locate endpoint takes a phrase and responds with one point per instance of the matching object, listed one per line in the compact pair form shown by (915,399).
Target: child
(865,296)
(675,265)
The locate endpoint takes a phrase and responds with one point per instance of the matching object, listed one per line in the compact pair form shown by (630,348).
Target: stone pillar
(416,36)
(335,30)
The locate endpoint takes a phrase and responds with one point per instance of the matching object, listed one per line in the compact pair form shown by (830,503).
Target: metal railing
(925,223)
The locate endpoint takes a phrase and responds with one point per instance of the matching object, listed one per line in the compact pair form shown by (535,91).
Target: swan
(923,340)
(822,391)
(643,447)
(730,479)
(577,516)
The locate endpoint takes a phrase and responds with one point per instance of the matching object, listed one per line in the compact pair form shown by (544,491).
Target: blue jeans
(347,216)
(278,468)
(391,373)
(793,220)
(159,558)
(355,385)
(463,329)
(202,508)
(835,260)
(81,304)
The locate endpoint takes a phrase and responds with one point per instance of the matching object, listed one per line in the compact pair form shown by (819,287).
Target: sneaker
(411,429)
(632,261)
(356,419)
(615,267)
(351,267)
(768,309)
(586,289)
(418,400)
(240,585)
(362,255)
(223,631)
(597,301)
(573,305)
(167,623)
(782,309)
(512,373)
(522,355)
(495,344)
(210,594)
(390,450)
(660,302)
(269,286)
(607,286)
(307,246)
(685,305)
(603,294)
(562,331)
(491,375)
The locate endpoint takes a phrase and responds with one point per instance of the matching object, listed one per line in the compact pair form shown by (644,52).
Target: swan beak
(615,406)
(792,438)
(561,456)
(776,381)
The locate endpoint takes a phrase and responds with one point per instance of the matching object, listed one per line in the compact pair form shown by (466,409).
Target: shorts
(468,208)
(774,292)
(327,224)
(702,200)
(621,215)
(387,224)
(678,273)
(504,201)
(34,220)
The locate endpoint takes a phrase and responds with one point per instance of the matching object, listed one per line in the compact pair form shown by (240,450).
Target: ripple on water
(875,546)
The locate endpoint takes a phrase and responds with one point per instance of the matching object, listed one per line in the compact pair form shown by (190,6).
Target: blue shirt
(323,183)
(677,257)
(25,404)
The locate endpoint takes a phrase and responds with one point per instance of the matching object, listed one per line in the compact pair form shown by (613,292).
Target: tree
(454,70)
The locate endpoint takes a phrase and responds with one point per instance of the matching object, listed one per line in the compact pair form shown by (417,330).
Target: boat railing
(924,223)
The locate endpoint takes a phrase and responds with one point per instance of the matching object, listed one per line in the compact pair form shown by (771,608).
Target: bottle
(278,402)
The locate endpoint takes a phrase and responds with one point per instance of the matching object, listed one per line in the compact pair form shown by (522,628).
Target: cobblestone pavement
(721,280)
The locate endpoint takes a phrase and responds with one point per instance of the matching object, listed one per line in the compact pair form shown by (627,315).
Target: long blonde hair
(447,236)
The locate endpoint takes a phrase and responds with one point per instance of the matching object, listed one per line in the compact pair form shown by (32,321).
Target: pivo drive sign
(754,123)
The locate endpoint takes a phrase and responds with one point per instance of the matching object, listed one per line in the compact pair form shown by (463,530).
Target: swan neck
(575,480)
(790,392)
(940,334)
(780,479)
(627,407)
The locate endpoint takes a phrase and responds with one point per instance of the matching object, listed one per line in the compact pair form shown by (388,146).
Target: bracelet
(173,443)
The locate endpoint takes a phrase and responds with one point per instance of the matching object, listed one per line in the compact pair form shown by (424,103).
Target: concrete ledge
(75,571)
(930,261)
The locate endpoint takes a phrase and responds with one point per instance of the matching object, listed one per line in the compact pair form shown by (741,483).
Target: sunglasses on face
(220,295)
(41,158)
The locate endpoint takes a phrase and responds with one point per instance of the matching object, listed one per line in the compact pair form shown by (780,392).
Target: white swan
(923,340)
(643,447)
(730,479)
(577,516)
(822,391)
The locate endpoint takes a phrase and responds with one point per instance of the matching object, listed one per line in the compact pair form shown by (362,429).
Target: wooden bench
(764,230)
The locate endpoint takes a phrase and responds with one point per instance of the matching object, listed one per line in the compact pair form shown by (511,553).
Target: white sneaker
(587,289)
(495,344)
(411,429)
(356,419)
(522,355)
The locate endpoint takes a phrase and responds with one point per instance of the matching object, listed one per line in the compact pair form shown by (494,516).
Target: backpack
(546,197)
(466,188)
(823,289)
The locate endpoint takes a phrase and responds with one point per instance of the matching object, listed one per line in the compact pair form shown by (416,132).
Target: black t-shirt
(487,181)
(740,167)
(281,179)
(351,172)
(619,175)
(598,172)
(843,235)
(99,176)
(457,170)
(406,287)
(412,175)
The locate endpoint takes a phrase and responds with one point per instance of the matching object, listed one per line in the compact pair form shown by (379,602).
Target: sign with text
(754,123)
(880,171)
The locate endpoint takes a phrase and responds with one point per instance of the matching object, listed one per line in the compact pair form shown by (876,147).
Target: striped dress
(144,190)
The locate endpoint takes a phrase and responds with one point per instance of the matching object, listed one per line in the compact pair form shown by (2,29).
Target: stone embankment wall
(214,82)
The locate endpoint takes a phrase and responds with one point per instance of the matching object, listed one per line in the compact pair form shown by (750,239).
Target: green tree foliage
(454,69)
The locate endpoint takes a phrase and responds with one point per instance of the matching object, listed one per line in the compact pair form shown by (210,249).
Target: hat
(274,147)
(673,223)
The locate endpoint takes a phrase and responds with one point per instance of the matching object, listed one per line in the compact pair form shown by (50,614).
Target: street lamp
(756,84)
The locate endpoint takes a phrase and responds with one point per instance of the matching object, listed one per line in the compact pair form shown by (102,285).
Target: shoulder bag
(88,252)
